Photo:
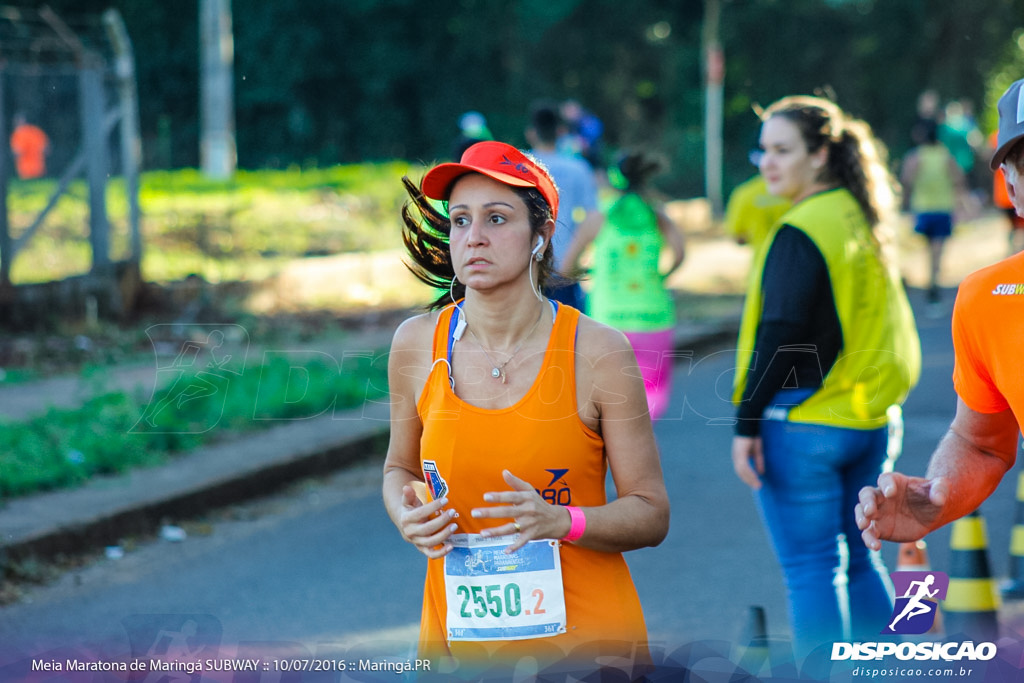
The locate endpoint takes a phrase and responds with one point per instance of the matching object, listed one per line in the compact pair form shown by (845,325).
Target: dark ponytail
(846,165)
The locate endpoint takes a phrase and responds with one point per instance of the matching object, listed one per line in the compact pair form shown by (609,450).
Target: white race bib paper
(497,596)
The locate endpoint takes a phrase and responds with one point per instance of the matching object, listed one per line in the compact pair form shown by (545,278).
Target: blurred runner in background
(29,144)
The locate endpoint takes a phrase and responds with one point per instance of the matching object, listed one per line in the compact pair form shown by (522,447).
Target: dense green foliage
(114,432)
(329,81)
(244,228)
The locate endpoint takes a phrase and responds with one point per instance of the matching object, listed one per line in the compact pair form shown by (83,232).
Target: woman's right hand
(748,460)
(427,525)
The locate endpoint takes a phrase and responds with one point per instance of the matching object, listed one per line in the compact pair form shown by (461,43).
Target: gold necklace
(498,370)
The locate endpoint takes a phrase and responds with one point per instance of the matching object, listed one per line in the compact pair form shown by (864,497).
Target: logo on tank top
(1009,289)
(557,491)
(435,482)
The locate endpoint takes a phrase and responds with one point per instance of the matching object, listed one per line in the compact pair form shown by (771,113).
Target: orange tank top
(542,440)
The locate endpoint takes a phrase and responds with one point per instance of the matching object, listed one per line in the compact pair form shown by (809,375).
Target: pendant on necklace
(495,373)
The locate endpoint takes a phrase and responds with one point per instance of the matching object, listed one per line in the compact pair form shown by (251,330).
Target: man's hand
(900,508)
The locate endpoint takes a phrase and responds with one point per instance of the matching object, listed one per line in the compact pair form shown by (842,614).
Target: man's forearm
(971,472)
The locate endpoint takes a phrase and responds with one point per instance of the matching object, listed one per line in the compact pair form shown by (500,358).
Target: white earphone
(535,255)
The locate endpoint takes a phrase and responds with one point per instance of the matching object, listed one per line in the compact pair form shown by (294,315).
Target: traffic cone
(1013,587)
(754,636)
(972,602)
(913,557)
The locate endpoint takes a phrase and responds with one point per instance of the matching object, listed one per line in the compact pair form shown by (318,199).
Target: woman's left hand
(531,516)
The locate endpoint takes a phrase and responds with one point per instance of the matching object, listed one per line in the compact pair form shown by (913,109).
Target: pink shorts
(654,355)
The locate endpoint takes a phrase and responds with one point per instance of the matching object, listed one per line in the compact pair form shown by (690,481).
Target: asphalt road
(320,570)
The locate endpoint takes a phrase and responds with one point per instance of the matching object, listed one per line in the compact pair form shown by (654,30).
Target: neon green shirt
(629,292)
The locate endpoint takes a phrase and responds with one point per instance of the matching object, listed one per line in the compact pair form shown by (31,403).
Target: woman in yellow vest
(752,211)
(827,344)
(508,410)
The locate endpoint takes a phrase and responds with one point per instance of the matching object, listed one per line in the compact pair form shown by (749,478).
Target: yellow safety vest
(880,359)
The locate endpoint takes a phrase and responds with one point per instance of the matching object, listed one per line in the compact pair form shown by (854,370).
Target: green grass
(244,228)
(114,432)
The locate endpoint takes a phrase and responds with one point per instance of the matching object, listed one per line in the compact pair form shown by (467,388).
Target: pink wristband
(578,526)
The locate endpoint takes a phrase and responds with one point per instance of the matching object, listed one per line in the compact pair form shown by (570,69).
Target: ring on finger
(518,528)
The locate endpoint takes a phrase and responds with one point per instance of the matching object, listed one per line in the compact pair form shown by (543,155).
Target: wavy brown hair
(857,160)
(426,232)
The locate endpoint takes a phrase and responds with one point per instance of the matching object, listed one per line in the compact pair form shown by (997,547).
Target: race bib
(497,596)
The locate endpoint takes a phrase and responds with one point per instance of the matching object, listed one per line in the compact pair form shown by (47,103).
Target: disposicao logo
(918,595)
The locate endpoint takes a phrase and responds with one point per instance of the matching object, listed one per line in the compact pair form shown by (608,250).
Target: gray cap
(1011,122)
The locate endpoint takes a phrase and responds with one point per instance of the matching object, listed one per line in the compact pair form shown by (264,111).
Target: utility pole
(131,143)
(714,74)
(217,153)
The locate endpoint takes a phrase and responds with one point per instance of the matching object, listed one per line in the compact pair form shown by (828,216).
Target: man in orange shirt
(29,144)
(981,444)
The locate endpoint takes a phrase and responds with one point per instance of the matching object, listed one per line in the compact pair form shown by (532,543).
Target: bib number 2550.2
(493,600)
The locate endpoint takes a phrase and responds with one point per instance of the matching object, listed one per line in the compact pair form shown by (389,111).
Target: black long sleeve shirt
(799,335)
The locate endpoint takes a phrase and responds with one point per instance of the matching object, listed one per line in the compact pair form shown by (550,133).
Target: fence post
(131,145)
(95,148)
(216,90)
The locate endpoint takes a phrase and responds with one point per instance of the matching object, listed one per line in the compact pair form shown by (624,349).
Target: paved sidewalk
(25,400)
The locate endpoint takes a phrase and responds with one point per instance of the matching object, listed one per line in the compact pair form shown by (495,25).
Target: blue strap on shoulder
(452,323)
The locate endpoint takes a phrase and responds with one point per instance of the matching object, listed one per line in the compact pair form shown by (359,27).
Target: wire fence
(65,88)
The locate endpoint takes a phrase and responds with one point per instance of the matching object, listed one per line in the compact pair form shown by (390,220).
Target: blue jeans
(812,476)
